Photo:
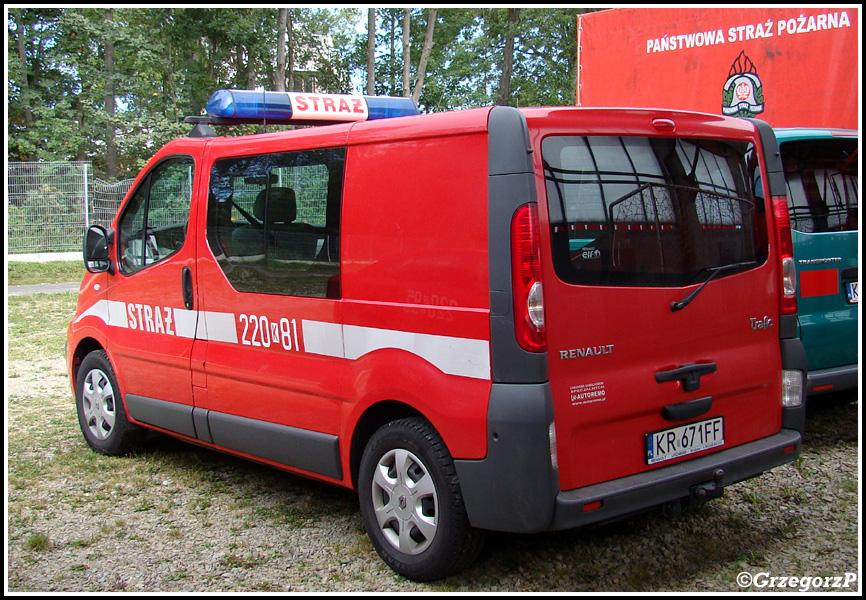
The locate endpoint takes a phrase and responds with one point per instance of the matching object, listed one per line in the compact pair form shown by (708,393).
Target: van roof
(787,134)
(605,120)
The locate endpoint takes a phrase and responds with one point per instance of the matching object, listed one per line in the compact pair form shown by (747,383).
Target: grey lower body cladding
(299,448)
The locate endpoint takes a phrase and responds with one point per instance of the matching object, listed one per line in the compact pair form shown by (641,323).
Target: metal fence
(49,204)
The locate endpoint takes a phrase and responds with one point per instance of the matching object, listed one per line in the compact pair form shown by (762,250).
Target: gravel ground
(178,518)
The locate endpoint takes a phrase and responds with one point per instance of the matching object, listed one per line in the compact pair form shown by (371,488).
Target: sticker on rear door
(588,393)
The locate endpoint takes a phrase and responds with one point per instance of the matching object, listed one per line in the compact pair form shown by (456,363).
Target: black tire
(101,413)
(411,502)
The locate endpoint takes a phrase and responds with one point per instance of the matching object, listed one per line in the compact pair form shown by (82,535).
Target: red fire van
(495,319)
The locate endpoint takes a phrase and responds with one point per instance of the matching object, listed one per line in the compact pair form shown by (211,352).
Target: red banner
(792,67)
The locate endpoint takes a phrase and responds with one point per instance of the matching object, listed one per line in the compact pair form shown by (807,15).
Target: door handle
(690,374)
(186,278)
(688,409)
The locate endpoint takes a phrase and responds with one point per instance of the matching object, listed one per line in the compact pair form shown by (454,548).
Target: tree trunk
(280,75)
(391,71)
(406,63)
(169,86)
(110,128)
(425,54)
(81,151)
(371,51)
(290,42)
(22,59)
(504,96)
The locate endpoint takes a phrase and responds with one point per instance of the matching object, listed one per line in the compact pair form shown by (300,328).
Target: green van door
(821,169)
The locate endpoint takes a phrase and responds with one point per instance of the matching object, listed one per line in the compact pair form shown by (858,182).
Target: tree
(110,100)
(545,71)
(371,51)
(407,62)
(110,85)
(35,83)
(322,41)
(425,54)
(504,95)
(19,35)
(417,37)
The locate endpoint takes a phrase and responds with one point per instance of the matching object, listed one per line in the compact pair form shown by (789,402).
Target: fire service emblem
(743,93)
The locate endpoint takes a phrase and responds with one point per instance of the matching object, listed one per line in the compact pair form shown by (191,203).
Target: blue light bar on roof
(289,107)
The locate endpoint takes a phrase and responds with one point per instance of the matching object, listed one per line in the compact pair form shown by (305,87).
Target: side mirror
(96,256)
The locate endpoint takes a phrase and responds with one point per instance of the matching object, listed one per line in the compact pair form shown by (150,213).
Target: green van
(821,169)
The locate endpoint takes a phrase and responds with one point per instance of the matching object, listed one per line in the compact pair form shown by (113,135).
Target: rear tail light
(792,388)
(788,298)
(526,276)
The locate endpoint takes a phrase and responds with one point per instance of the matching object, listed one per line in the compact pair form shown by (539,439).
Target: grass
(64,499)
(38,325)
(37,542)
(67,503)
(27,273)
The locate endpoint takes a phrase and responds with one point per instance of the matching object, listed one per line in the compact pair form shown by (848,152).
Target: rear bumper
(516,489)
(614,499)
(837,379)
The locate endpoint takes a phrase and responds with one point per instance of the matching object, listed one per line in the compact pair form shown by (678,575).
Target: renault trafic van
(519,320)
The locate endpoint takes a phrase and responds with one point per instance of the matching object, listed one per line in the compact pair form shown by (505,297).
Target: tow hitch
(698,494)
(709,490)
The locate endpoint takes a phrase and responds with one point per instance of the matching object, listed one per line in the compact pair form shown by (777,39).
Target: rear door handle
(688,409)
(187,287)
(690,374)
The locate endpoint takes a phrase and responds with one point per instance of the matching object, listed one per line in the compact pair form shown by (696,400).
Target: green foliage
(168,61)
(546,73)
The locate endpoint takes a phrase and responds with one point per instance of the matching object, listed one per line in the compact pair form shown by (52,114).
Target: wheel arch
(84,347)
(374,417)
(391,384)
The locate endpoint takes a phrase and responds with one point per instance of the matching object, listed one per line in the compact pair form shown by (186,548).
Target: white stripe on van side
(452,355)
(221,325)
(325,339)
(464,357)
(218,327)
(110,311)
(185,322)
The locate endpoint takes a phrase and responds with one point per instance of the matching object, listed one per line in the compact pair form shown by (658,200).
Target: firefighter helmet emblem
(743,93)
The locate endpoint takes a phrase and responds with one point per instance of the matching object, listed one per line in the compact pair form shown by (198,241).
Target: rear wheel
(411,502)
(101,414)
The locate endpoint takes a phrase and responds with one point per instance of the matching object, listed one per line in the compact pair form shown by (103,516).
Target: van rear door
(821,175)
(660,299)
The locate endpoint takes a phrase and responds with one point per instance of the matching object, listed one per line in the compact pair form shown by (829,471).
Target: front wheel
(411,502)
(101,414)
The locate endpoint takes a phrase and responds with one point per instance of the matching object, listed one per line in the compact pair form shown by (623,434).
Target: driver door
(152,345)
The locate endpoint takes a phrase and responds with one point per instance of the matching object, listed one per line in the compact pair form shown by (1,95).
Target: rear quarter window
(651,211)
(823,185)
